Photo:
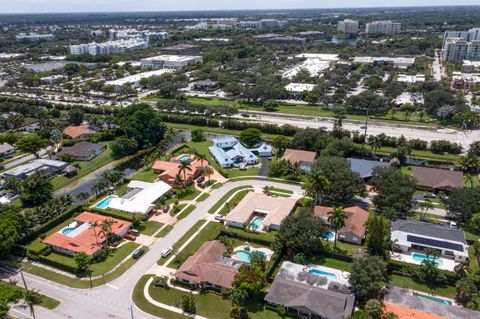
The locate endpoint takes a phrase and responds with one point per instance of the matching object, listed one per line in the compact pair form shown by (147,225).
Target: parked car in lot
(139,252)
(166,252)
(134,232)
(130,237)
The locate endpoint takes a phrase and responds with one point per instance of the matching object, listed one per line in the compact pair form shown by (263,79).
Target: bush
(444,146)
(100,255)
(160,281)
(198,135)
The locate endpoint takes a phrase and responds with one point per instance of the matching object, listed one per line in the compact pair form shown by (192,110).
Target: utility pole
(366,124)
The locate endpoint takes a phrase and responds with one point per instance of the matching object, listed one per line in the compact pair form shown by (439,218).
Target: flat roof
(137,77)
(299,87)
(320,56)
(172,58)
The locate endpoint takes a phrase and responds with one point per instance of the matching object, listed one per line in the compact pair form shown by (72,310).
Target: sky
(38,6)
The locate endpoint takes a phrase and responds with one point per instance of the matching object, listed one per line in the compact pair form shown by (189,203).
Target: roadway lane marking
(112,286)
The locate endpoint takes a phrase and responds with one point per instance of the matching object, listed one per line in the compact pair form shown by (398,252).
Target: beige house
(260,212)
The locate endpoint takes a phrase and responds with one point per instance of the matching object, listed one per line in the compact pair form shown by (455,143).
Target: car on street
(166,252)
(130,237)
(137,253)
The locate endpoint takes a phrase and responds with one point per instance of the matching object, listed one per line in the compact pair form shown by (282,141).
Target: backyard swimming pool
(245,256)
(329,235)
(421,257)
(68,230)
(322,273)
(256,223)
(433,298)
(104,202)
(184,158)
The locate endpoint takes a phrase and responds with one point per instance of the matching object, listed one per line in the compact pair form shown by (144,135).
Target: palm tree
(469,163)
(425,206)
(94,225)
(207,171)
(31,298)
(178,181)
(462,269)
(83,196)
(199,156)
(184,167)
(337,218)
(316,185)
(106,227)
(375,143)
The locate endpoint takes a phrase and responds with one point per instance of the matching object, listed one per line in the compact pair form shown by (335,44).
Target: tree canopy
(395,189)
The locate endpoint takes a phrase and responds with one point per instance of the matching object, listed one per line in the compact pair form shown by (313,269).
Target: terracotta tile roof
(407,313)
(297,156)
(78,131)
(86,241)
(202,267)
(437,178)
(169,170)
(354,223)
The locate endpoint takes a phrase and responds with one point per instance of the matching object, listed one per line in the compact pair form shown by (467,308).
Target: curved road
(114,299)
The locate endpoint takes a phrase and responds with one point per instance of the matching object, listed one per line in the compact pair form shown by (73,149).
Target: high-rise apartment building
(461,45)
(110,47)
(348,26)
(34,37)
(383,27)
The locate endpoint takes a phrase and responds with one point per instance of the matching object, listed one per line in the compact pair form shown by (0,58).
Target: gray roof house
(416,235)
(44,166)
(365,167)
(83,151)
(311,295)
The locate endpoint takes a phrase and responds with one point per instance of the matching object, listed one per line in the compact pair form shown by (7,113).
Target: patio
(416,257)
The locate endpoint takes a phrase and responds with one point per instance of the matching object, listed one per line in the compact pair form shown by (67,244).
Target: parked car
(130,237)
(8,156)
(201,185)
(166,209)
(430,195)
(166,252)
(218,217)
(245,115)
(139,252)
(134,232)
(201,179)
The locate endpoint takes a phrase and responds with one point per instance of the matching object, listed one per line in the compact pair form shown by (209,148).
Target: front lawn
(145,175)
(236,199)
(114,258)
(225,197)
(149,228)
(8,290)
(184,194)
(164,232)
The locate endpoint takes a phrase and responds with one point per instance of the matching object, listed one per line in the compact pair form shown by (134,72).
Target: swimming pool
(433,298)
(329,235)
(184,158)
(68,230)
(245,256)
(104,202)
(256,223)
(421,257)
(322,273)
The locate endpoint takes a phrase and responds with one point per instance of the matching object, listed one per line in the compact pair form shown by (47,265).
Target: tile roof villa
(80,236)
(169,170)
(354,229)
(208,268)
(304,158)
(264,211)
(79,131)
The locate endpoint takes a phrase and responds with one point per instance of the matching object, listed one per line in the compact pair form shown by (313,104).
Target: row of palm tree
(107,180)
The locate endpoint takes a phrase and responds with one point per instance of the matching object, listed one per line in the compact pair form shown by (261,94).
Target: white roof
(320,56)
(139,202)
(299,87)
(137,77)
(469,77)
(172,58)
(419,78)
(313,65)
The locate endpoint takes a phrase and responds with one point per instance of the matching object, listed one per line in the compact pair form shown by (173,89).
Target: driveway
(264,170)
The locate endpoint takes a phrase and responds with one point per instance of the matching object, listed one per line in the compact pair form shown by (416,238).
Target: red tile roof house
(169,170)
(354,229)
(437,179)
(304,158)
(79,236)
(207,268)
(78,132)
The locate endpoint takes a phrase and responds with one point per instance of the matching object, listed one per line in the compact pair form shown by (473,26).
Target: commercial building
(354,230)
(465,81)
(46,167)
(134,80)
(84,234)
(127,34)
(248,24)
(311,35)
(317,292)
(82,151)
(348,27)
(304,158)
(295,90)
(54,79)
(416,236)
(436,179)
(139,198)
(260,212)
(407,78)
(399,62)
(470,66)
(265,24)
(216,41)
(229,152)
(314,63)
(109,47)
(387,27)
(11,56)
(461,45)
(170,61)
(208,268)
(181,49)
(34,37)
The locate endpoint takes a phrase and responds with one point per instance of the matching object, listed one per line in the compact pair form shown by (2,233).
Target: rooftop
(365,167)
(82,148)
(437,178)
(77,131)
(299,87)
(137,77)
(297,156)
(171,58)
(429,230)
(354,223)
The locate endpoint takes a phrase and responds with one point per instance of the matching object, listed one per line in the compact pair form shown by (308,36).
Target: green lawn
(427,155)
(164,232)
(7,289)
(210,232)
(85,168)
(145,175)
(278,190)
(237,198)
(225,197)
(186,212)
(203,197)
(114,258)
(149,228)
(184,194)
(174,211)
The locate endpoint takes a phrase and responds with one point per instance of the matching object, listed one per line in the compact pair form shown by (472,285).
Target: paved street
(113,299)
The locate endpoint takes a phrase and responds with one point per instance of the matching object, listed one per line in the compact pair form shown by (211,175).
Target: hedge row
(396,267)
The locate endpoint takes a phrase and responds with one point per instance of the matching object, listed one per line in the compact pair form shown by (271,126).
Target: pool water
(436,299)
(421,257)
(323,273)
(68,230)
(246,255)
(256,222)
(184,158)
(329,235)
(104,203)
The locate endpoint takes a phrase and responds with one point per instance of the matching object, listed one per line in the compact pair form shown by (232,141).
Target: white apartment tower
(383,27)
(348,26)
(461,45)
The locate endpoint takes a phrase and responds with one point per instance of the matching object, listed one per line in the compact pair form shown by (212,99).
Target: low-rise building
(82,151)
(34,37)
(469,66)
(84,234)
(399,62)
(436,179)
(78,131)
(365,167)
(288,40)
(134,80)
(314,63)
(46,167)
(311,35)
(407,78)
(109,47)
(54,79)
(6,149)
(168,171)
(260,212)
(297,89)
(414,235)
(354,230)
(228,152)
(304,158)
(465,81)
(311,293)
(170,61)
(413,98)
(181,49)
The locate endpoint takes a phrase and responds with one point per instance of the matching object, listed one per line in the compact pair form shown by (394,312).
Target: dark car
(245,115)
(137,253)
(201,179)
(130,237)
(201,185)
(166,209)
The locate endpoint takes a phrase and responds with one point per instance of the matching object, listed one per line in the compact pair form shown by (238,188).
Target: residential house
(140,197)
(79,131)
(168,171)
(228,152)
(260,211)
(365,167)
(82,236)
(44,166)
(6,149)
(82,151)
(208,268)
(436,179)
(354,230)
(310,295)
(414,235)
(304,158)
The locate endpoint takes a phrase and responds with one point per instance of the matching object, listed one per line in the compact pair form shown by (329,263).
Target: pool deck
(100,201)
(268,252)
(342,276)
(447,264)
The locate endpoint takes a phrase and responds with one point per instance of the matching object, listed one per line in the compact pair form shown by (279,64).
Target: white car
(218,217)
(166,252)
